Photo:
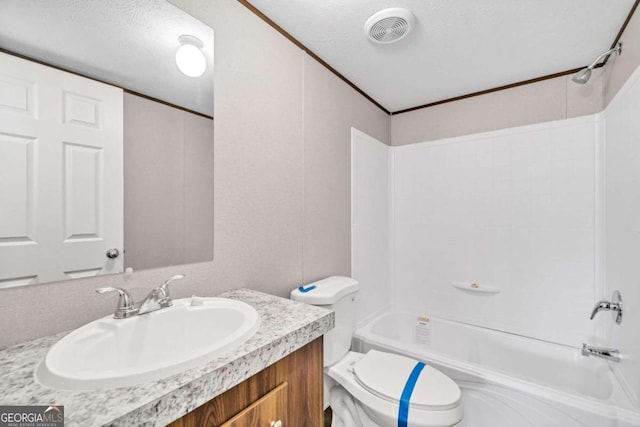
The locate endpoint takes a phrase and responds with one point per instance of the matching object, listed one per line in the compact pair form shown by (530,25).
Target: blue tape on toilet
(403,412)
(307,289)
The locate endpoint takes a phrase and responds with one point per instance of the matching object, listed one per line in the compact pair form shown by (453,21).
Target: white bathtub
(507,380)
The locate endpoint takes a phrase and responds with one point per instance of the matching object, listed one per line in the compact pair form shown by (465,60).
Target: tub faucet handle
(614,305)
(600,306)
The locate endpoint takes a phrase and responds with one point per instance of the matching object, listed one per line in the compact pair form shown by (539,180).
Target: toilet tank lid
(326,291)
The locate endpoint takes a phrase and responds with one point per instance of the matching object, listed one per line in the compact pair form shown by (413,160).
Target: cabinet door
(268,411)
(301,375)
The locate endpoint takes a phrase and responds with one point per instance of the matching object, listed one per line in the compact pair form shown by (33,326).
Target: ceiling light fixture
(583,76)
(189,57)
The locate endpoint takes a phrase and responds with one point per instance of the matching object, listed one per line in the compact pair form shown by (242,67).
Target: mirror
(106,138)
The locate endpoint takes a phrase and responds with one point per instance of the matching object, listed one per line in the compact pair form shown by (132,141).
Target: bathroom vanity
(289,391)
(274,376)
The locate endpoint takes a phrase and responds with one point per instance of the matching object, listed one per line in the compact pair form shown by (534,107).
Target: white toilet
(375,389)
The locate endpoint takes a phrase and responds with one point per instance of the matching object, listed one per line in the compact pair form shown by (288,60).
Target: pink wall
(548,100)
(168,195)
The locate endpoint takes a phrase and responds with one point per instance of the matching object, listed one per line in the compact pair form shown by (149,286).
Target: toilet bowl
(375,382)
(376,389)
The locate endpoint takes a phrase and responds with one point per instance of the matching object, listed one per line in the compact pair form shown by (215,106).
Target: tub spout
(604,353)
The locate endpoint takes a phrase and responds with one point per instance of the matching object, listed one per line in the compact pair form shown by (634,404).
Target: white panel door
(61,174)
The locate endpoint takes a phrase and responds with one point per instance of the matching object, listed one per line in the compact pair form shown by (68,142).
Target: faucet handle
(165,284)
(600,306)
(614,305)
(126,306)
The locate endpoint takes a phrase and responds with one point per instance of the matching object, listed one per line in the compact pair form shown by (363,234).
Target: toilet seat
(386,375)
(377,400)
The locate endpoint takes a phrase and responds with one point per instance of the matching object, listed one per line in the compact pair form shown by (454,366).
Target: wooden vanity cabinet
(289,391)
(269,410)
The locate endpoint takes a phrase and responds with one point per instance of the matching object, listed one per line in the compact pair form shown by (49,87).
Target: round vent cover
(389,25)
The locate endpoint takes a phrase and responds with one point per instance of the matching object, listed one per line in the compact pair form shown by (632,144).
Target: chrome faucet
(159,297)
(126,306)
(611,354)
(614,305)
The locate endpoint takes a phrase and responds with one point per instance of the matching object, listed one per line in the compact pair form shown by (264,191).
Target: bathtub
(507,380)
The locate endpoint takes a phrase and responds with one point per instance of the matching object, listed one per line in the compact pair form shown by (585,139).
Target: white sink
(109,353)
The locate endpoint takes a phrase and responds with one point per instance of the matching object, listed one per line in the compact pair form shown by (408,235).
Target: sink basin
(109,353)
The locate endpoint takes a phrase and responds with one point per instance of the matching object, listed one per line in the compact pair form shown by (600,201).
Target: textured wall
(327,165)
(271,173)
(548,100)
(168,195)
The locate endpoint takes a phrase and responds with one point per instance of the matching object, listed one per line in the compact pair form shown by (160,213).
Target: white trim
(354,133)
(599,208)
(391,227)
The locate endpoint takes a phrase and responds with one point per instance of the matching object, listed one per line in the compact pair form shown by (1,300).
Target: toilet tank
(336,293)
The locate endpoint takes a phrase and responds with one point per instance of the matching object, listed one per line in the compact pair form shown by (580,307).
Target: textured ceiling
(457,46)
(129,43)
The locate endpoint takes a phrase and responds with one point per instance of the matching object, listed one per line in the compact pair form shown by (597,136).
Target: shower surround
(542,217)
(513,210)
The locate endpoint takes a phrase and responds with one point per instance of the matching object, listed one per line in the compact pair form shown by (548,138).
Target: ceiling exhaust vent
(389,25)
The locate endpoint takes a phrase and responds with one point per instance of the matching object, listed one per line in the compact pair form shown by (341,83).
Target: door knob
(113,253)
(276,423)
